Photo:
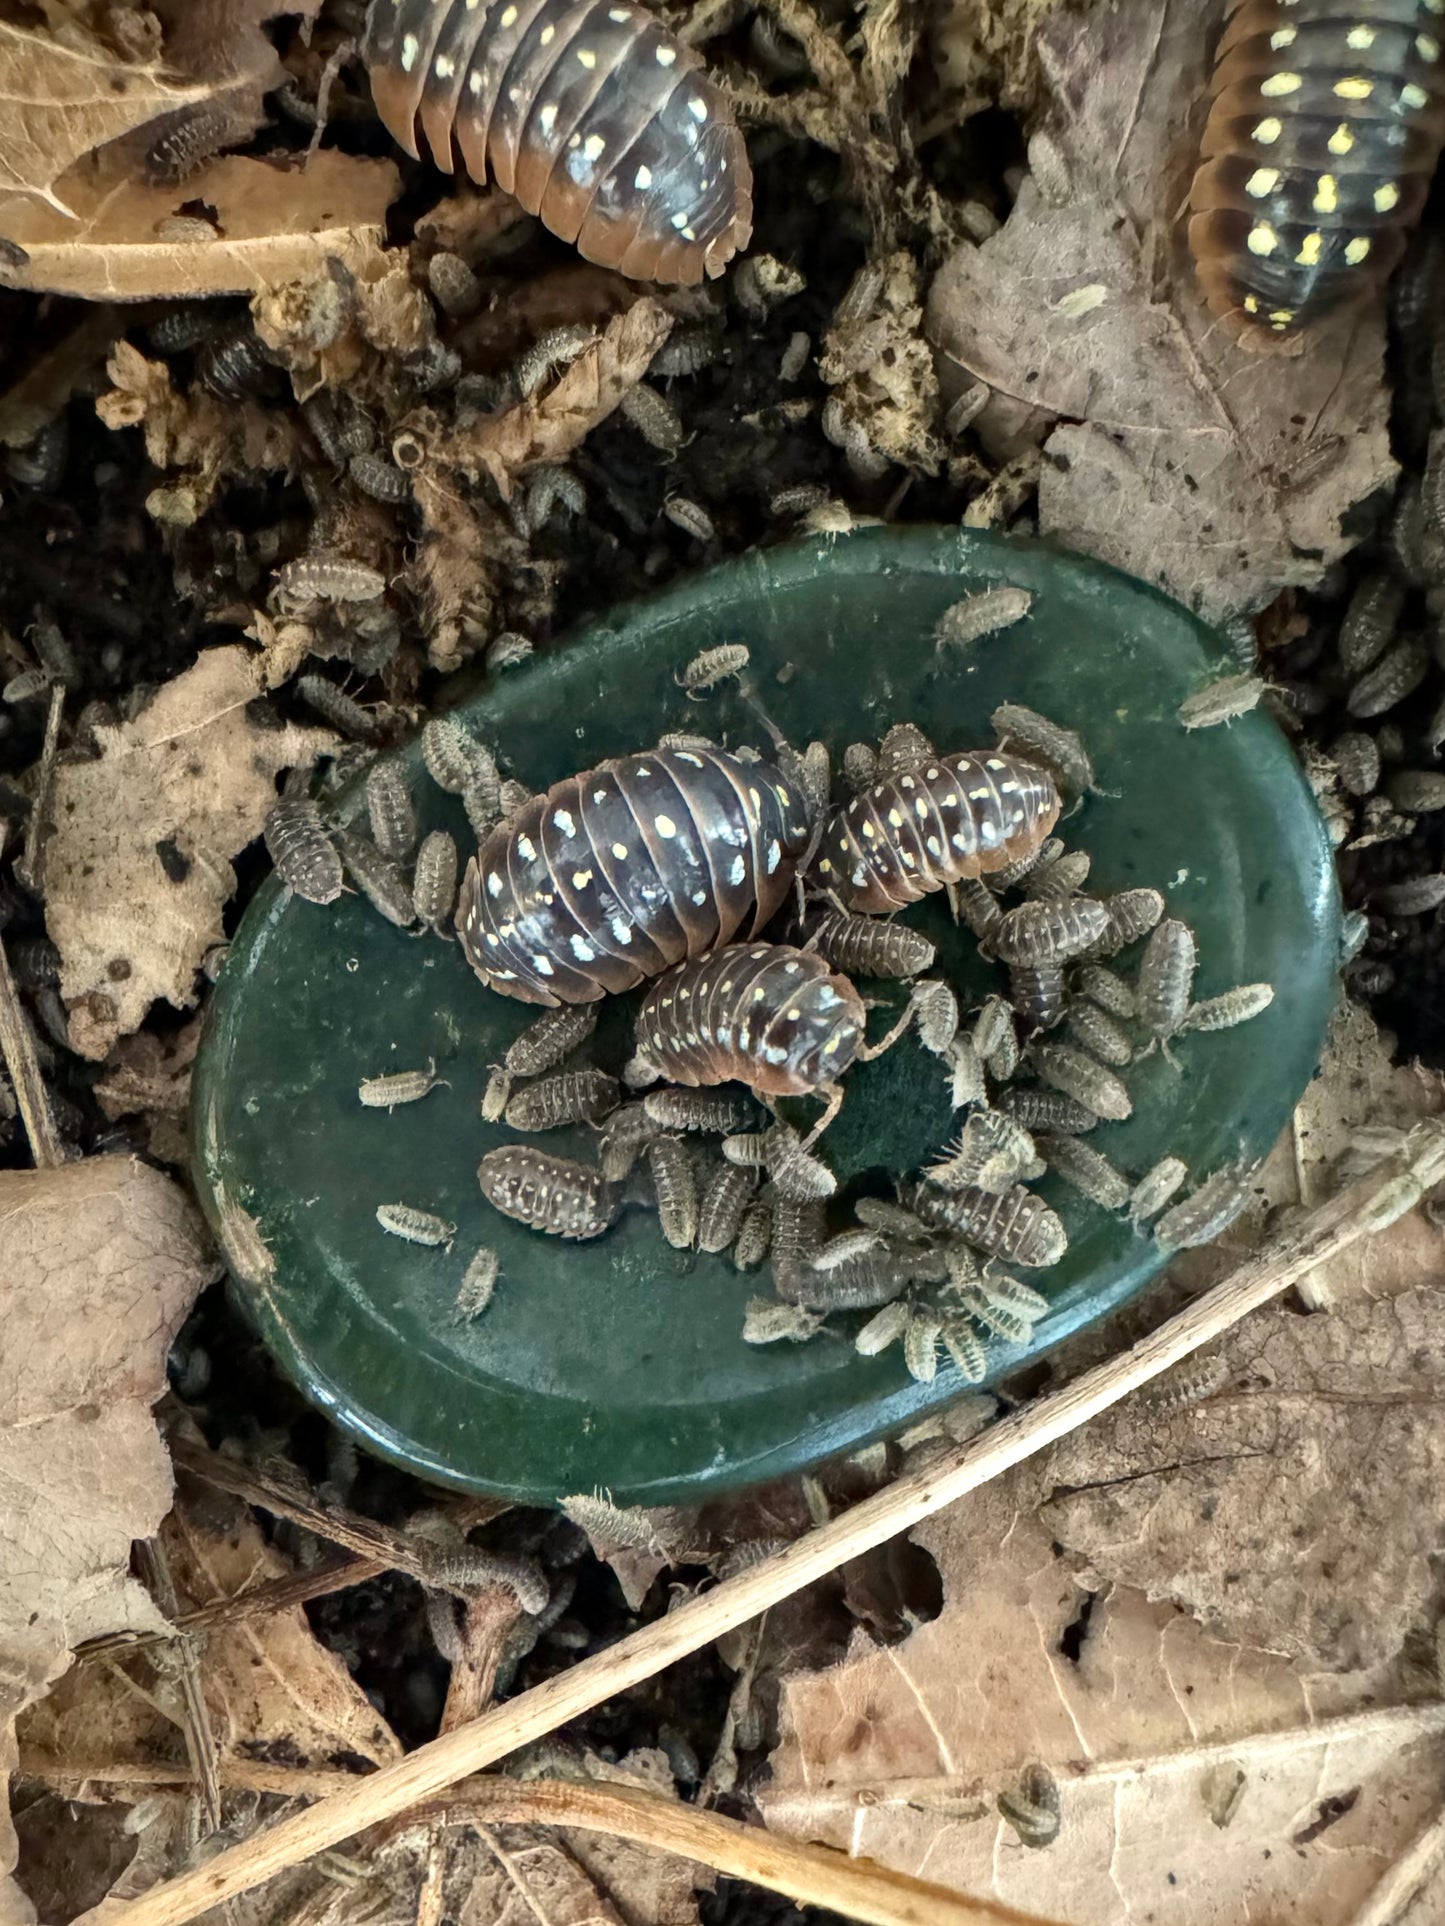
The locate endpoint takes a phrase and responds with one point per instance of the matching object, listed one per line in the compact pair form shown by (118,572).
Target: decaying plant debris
(292,432)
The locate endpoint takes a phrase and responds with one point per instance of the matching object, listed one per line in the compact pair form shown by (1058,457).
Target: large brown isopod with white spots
(764,1014)
(589,111)
(615,875)
(937,823)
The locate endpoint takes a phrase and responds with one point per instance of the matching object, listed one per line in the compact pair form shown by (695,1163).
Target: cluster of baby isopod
(744,899)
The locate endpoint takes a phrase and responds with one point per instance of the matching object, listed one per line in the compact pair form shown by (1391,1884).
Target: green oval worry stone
(618,1365)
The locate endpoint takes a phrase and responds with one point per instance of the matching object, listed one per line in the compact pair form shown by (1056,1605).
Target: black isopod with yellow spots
(1326,120)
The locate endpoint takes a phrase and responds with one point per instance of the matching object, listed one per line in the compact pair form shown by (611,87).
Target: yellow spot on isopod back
(1387,195)
(1281,317)
(1360,39)
(1413,97)
(1269,130)
(1262,239)
(1264,180)
(1251,304)
(1357,249)
(1341,141)
(1276,86)
(1427,47)
(1327,195)
(1354,87)
(1283,37)
(1311,248)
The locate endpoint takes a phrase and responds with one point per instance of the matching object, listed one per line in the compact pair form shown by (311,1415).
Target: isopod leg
(833,1095)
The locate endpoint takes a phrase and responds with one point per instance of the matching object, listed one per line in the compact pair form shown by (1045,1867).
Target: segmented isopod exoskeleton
(797,1233)
(382,480)
(935,1015)
(494,1097)
(1324,129)
(1155,1188)
(595,117)
(773,1017)
(960,816)
(1417,791)
(1225,1011)
(457,762)
(1370,621)
(1046,1110)
(992,1152)
(996,1039)
(866,946)
(434,880)
(415,1226)
(1109,991)
(860,766)
(885,1327)
(896,1223)
(551,1194)
(1084,1079)
(1049,168)
(724,1202)
(716,1112)
(979,615)
(548,1040)
(378,879)
(1206,1213)
(976,907)
(182,141)
(1016,1225)
(570,1097)
(388,802)
(674,1184)
(1166,978)
(796,1173)
(768,1322)
(1398,673)
(329,578)
(755,1236)
(861,1241)
(1058,750)
(1063,875)
(478,1283)
(298,844)
(1096,1031)
(713,666)
(398,1086)
(965,1074)
(857,1284)
(1035,940)
(1222,701)
(614,875)
(903,748)
(1087,1170)
(333,705)
(1190,1382)
(1132,914)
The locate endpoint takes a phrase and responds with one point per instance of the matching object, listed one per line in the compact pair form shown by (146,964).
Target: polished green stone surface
(618,1364)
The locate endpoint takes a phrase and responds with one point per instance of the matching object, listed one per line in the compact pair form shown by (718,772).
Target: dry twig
(1369,1206)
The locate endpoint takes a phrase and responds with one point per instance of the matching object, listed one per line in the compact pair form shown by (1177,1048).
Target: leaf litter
(974,1674)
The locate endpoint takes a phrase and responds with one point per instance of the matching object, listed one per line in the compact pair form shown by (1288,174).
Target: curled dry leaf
(273,223)
(1167,448)
(64,98)
(547,426)
(1196,1780)
(99,1263)
(272,1690)
(137,869)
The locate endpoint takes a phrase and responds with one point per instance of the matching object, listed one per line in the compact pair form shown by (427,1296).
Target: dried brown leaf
(1167,447)
(274,222)
(99,1263)
(194,773)
(60,100)
(547,426)
(1148,1725)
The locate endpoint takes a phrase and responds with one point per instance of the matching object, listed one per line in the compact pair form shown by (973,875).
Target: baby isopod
(768,1322)
(1206,1213)
(1231,696)
(713,666)
(715,1112)
(903,748)
(1324,128)
(547,1041)
(1132,914)
(478,1284)
(992,1152)
(1166,977)
(934,1008)
(398,1086)
(614,875)
(595,117)
(570,1097)
(298,844)
(329,578)
(1233,1006)
(1084,1079)
(865,946)
(378,879)
(551,1194)
(755,1236)
(724,1202)
(980,615)
(388,801)
(1096,1031)
(1015,1225)
(1155,1188)
(415,1226)
(344,713)
(1059,750)
(674,1185)
(1086,1170)
(1046,1110)
(941,821)
(434,880)
(773,1017)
